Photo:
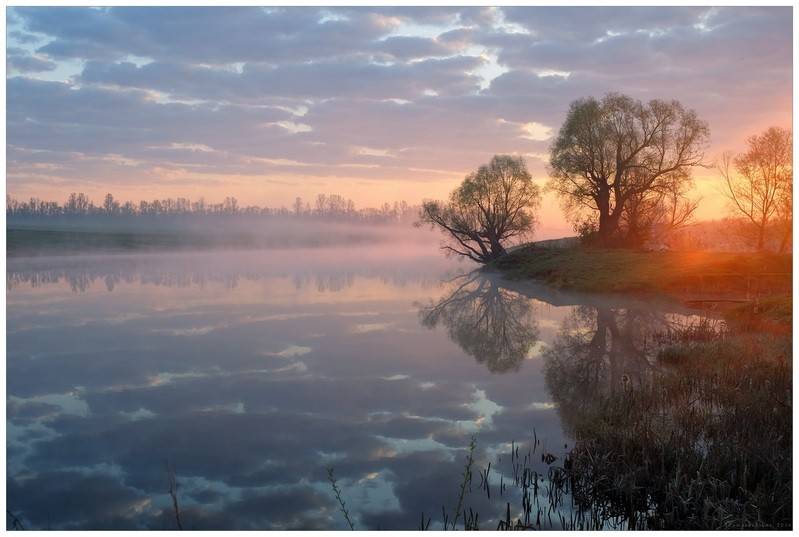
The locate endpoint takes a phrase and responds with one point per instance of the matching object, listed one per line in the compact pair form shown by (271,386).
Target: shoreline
(629,271)
(721,281)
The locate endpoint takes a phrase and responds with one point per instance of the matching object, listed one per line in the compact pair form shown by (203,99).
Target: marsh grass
(14,521)
(705,443)
(768,314)
(466,480)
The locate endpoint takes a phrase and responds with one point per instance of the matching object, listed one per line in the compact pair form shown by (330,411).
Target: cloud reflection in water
(252,385)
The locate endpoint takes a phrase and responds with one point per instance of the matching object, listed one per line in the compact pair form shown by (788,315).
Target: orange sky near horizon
(268,192)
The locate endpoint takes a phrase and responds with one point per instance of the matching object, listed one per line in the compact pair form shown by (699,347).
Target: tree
(785,214)
(761,189)
(610,151)
(298,206)
(489,208)
(110,205)
(200,206)
(230,206)
(656,214)
(78,204)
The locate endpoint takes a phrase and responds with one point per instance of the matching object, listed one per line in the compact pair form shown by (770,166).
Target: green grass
(596,270)
(767,314)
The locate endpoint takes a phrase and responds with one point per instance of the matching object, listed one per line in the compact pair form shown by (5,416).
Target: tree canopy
(761,187)
(491,207)
(618,151)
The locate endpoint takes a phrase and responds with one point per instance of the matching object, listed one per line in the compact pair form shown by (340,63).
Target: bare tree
(656,214)
(760,186)
(490,207)
(298,206)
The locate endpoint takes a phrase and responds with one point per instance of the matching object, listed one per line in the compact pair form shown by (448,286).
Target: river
(230,383)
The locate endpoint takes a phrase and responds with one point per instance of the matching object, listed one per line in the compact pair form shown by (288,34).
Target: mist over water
(252,372)
(87,235)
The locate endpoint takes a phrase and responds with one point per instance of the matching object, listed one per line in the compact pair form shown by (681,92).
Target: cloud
(269,87)
(18,59)
(291,351)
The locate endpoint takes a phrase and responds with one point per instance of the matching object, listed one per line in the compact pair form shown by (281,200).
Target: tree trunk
(608,225)
(761,236)
(785,237)
(497,250)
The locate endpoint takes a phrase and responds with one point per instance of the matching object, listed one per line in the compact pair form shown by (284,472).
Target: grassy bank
(704,441)
(649,272)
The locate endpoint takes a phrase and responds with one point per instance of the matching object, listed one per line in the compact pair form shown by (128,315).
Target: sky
(374,104)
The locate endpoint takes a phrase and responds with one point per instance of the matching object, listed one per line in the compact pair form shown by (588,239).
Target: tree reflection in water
(600,351)
(492,324)
(676,425)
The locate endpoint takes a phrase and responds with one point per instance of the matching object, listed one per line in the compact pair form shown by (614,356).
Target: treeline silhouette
(325,207)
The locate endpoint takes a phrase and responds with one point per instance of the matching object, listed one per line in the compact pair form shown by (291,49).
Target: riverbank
(688,427)
(626,271)
(701,439)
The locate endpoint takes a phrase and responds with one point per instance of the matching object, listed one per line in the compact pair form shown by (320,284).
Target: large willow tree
(612,152)
(490,208)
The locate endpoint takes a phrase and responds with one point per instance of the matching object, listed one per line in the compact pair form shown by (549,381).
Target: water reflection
(251,385)
(667,414)
(494,325)
(254,374)
(599,352)
(228,268)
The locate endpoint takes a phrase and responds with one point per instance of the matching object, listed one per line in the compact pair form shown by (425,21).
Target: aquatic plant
(703,444)
(341,502)
(173,492)
(15,523)
(466,479)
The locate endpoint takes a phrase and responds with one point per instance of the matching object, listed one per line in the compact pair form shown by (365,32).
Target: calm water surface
(246,375)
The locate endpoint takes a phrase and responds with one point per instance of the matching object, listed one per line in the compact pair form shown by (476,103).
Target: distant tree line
(724,235)
(325,207)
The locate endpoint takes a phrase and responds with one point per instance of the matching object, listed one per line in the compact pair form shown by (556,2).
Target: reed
(466,480)
(341,502)
(704,444)
(173,492)
(15,523)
